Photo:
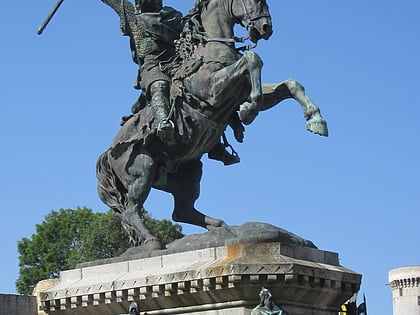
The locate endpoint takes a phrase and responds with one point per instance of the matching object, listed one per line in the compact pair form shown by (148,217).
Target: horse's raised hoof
(152,244)
(213,223)
(317,126)
(248,112)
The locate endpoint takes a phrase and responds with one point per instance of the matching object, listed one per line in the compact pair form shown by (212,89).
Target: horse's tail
(110,189)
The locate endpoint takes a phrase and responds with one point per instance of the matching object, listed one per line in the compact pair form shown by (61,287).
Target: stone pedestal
(218,280)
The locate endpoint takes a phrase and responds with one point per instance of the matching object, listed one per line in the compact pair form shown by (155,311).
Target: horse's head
(255,17)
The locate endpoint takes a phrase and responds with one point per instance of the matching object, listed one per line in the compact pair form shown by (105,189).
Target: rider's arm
(122,8)
(114,4)
(125,10)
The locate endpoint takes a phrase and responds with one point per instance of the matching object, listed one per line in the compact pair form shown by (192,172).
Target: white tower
(405,285)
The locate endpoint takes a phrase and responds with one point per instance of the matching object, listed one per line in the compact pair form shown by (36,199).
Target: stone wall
(11,304)
(405,285)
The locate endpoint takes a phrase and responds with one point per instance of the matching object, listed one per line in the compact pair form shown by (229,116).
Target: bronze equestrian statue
(208,85)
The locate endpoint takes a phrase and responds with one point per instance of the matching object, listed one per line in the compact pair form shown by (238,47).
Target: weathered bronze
(198,84)
(133,309)
(267,306)
(152,30)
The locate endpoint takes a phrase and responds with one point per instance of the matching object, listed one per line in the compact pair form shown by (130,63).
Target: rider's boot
(237,127)
(159,91)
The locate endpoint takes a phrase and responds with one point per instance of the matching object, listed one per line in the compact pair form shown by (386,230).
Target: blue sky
(355,192)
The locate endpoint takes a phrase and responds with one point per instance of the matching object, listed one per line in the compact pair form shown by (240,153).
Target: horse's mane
(193,32)
(196,8)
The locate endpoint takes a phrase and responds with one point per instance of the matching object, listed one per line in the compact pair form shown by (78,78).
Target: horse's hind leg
(142,171)
(185,187)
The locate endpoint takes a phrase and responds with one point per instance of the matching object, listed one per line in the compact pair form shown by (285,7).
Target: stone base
(219,280)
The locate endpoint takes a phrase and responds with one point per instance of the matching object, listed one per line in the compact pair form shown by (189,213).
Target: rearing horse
(211,84)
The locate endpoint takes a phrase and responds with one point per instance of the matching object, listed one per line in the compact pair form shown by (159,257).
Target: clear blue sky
(356,193)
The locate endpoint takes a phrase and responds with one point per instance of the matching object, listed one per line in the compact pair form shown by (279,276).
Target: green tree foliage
(103,238)
(68,237)
(52,248)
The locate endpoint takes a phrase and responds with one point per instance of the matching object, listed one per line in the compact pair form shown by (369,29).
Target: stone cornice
(404,277)
(222,277)
(405,283)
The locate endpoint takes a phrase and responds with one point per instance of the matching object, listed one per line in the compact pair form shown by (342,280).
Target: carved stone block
(219,280)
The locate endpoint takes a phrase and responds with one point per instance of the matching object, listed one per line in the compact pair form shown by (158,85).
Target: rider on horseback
(152,29)
(151,43)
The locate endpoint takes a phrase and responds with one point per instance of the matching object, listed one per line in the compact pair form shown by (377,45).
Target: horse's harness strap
(232,40)
(250,24)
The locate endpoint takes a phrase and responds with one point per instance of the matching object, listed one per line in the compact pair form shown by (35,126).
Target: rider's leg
(185,187)
(159,100)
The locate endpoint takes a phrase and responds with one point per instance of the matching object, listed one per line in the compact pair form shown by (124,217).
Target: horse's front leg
(228,80)
(275,93)
(249,110)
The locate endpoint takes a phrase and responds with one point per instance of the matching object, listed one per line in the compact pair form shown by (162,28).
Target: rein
(233,39)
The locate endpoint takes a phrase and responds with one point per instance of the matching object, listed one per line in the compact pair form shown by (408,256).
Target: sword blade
(49,17)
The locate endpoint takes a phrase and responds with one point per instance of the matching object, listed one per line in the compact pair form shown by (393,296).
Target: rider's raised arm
(114,4)
(125,10)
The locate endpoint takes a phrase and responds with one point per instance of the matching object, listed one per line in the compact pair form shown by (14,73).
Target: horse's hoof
(248,112)
(219,224)
(152,244)
(318,126)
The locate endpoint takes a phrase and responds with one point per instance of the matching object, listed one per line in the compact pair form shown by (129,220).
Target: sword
(49,17)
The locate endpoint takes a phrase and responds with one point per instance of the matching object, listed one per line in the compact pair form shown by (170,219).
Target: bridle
(249,25)
(249,20)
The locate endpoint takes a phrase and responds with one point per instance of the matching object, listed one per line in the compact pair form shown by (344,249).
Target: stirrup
(165,132)
(230,158)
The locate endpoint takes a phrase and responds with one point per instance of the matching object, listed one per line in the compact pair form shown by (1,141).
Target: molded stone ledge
(221,278)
